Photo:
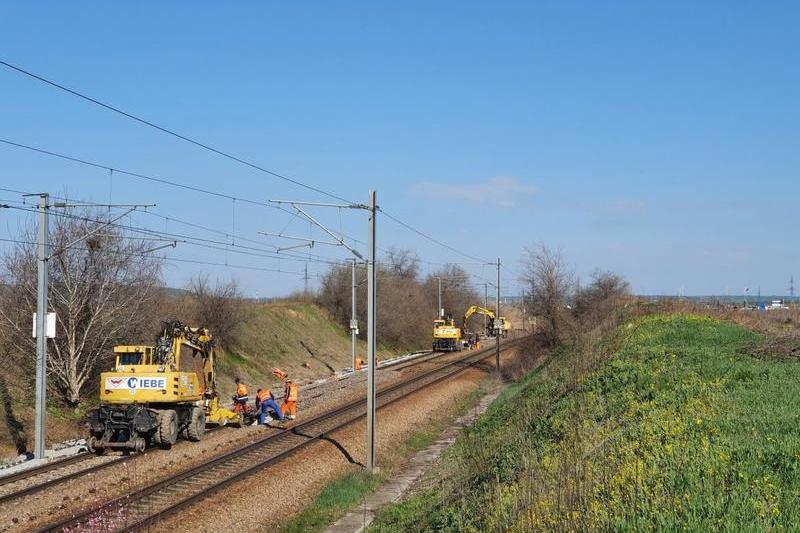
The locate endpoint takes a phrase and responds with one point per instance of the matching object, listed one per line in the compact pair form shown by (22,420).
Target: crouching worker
(289,405)
(240,398)
(265,402)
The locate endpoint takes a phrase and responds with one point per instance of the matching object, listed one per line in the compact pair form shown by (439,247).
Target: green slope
(681,429)
(286,335)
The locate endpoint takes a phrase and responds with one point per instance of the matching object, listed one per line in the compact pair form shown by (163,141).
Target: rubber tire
(197,425)
(167,432)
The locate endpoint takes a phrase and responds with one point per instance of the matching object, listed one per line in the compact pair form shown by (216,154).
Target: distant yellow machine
(503,323)
(156,394)
(446,335)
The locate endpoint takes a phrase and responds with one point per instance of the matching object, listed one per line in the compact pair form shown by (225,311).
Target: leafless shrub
(457,291)
(101,289)
(550,284)
(218,307)
(406,305)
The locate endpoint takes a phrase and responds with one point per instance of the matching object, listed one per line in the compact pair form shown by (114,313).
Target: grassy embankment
(679,429)
(286,335)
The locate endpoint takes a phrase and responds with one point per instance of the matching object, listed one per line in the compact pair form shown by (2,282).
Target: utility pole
(353,319)
(439,311)
(791,287)
(498,323)
(373,211)
(305,282)
(338,240)
(485,302)
(41,326)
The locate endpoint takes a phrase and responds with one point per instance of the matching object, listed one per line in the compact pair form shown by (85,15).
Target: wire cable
(173,133)
(154,179)
(432,239)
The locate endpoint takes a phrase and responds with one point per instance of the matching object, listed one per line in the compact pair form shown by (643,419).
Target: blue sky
(658,140)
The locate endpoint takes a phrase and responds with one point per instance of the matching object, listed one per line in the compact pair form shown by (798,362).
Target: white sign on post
(51,326)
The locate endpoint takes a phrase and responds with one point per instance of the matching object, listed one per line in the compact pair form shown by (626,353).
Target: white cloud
(499,191)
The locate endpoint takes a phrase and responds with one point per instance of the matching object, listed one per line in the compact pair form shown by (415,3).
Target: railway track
(154,502)
(98,464)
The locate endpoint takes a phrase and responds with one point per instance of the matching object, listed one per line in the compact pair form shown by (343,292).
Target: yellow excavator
(446,335)
(504,325)
(156,394)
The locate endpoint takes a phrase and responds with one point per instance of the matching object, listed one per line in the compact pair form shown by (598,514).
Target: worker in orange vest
(359,364)
(289,406)
(265,402)
(240,398)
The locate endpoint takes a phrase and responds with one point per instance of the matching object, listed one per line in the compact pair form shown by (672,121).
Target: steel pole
(371,330)
(439,311)
(353,319)
(485,303)
(41,328)
(499,323)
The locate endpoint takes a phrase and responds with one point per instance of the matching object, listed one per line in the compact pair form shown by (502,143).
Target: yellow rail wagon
(156,394)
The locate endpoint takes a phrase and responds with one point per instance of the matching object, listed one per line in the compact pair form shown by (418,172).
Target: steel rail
(41,469)
(207,481)
(31,489)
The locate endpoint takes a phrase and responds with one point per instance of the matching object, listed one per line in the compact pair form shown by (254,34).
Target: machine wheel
(140,445)
(197,424)
(91,446)
(167,432)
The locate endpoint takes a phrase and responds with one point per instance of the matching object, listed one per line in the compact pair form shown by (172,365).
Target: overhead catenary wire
(173,133)
(155,179)
(431,238)
(197,241)
(234,198)
(184,236)
(217,151)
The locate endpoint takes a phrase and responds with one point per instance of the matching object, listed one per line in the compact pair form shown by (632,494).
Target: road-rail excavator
(156,394)
(446,335)
(505,325)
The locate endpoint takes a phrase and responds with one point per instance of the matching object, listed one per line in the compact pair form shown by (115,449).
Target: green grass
(679,430)
(270,337)
(345,492)
(333,501)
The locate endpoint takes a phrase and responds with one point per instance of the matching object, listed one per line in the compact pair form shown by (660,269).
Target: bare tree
(601,295)
(101,289)
(402,262)
(550,284)
(457,291)
(219,307)
(405,308)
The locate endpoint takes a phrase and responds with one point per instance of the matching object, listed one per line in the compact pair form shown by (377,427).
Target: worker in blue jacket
(265,402)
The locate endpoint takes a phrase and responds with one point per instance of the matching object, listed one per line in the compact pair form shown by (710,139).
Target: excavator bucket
(221,416)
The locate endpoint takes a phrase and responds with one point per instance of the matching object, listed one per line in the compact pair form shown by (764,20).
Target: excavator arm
(473,309)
